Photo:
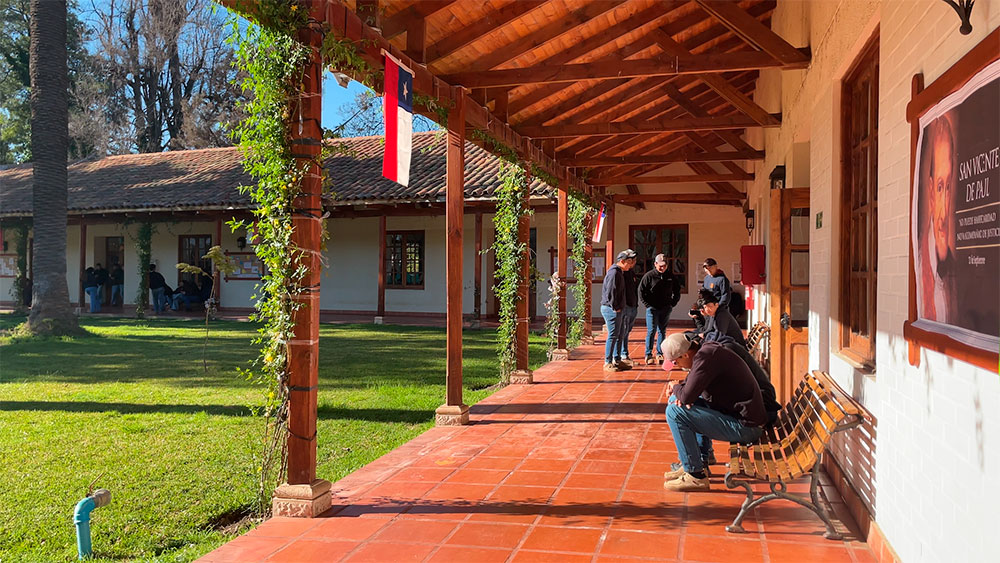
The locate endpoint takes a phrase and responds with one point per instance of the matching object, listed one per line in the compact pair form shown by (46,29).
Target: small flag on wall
(599,228)
(398,121)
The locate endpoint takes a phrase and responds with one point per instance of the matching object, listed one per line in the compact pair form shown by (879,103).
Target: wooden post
(303,494)
(477,309)
(521,372)
(609,240)
(380,313)
(454,412)
(83,262)
(562,265)
(588,256)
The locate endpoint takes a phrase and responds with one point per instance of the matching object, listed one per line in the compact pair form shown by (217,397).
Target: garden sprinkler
(81,516)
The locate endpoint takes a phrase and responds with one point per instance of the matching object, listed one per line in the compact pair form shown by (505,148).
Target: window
(404,259)
(669,240)
(192,248)
(859,207)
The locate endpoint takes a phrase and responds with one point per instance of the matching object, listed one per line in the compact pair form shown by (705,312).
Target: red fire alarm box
(752,264)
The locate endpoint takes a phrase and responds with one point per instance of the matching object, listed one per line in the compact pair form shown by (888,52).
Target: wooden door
(789,268)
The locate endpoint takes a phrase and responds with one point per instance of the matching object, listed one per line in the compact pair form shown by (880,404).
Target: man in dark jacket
(102,281)
(659,292)
(612,307)
(117,285)
(719,400)
(93,289)
(718,320)
(158,287)
(631,306)
(717,282)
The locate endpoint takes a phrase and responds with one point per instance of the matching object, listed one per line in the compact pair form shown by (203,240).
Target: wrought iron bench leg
(778,490)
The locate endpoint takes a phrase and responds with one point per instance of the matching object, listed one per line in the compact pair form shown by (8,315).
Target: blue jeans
(613,321)
(656,322)
(159,299)
(117,294)
(95,298)
(628,321)
(686,424)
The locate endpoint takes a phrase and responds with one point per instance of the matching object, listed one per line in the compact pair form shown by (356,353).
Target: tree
(166,76)
(363,117)
(15,111)
(50,309)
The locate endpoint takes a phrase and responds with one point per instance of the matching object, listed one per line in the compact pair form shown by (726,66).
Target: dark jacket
(631,288)
(117,276)
(613,289)
(720,286)
(659,291)
(724,381)
(767,392)
(206,288)
(156,280)
(723,323)
(90,278)
(102,276)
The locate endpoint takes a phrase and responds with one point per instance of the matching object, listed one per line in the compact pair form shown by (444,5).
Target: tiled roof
(209,178)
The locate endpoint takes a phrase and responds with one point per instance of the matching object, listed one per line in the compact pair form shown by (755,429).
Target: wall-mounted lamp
(749,213)
(241,242)
(778,178)
(964,10)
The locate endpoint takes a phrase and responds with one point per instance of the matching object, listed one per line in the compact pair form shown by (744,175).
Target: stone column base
(302,501)
(476,323)
(587,341)
(521,377)
(560,354)
(451,415)
(379,320)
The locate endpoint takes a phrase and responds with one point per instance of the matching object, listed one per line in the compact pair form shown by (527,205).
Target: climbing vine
(509,252)
(579,209)
(143,243)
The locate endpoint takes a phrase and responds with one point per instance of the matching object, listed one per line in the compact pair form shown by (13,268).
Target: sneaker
(627,361)
(659,359)
(687,483)
(649,360)
(676,470)
(677,467)
(610,367)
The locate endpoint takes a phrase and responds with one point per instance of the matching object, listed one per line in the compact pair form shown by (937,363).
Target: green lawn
(132,405)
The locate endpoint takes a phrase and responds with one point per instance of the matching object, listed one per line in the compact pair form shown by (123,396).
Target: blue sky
(335,96)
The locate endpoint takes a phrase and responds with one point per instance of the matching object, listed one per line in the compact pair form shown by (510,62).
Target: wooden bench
(793,447)
(759,344)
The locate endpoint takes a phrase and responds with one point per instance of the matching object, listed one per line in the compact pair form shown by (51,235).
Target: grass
(130,407)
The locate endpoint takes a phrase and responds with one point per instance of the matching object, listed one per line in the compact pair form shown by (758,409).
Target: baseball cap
(675,346)
(661,259)
(709,262)
(626,254)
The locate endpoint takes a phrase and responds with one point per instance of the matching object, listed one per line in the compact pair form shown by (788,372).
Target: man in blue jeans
(659,292)
(719,400)
(612,307)
(631,306)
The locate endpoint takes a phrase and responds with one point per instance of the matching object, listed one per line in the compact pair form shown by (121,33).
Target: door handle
(786,321)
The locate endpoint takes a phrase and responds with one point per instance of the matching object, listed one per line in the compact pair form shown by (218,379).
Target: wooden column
(380,313)
(303,494)
(588,287)
(562,264)
(454,412)
(609,239)
(477,309)
(521,372)
(83,263)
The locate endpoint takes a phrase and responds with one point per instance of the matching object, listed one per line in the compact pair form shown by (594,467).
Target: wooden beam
(484,25)
(622,180)
(634,190)
(416,41)
(368,11)
(679,156)
(615,69)
(454,218)
(678,198)
(401,21)
(751,30)
(639,126)
(380,307)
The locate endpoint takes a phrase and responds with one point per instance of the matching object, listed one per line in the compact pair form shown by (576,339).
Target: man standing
(717,282)
(102,281)
(158,286)
(719,400)
(117,285)
(93,289)
(659,292)
(612,306)
(631,305)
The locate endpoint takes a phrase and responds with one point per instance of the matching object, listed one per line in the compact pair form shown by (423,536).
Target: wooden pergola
(601,94)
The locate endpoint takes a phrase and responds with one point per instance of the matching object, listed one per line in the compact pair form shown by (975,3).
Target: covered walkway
(569,468)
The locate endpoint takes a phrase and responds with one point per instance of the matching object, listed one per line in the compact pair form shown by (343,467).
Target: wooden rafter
(489,23)
(668,179)
(679,198)
(680,156)
(634,190)
(398,23)
(630,127)
(755,33)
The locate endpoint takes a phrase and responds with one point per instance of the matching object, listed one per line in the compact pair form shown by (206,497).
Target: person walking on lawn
(631,306)
(719,400)
(659,292)
(612,307)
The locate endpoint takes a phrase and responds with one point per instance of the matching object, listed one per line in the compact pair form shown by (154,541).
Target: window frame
(403,259)
(856,345)
(199,262)
(659,246)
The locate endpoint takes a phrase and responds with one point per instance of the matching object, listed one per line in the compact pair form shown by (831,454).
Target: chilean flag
(599,229)
(398,121)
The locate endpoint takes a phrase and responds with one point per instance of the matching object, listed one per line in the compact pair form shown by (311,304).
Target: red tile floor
(569,469)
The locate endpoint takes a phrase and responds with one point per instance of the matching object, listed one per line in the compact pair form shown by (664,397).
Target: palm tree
(50,309)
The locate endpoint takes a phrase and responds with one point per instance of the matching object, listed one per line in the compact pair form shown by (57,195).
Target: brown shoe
(659,359)
(674,473)
(687,483)
(650,360)
(611,367)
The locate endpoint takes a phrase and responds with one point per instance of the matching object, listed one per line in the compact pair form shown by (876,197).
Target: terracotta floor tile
(488,534)
(246,548)
(582,540)
(609,454)
(313,550)
(430,474)
(518,451)
(459,491)
(401,490)
(418,531)
(527,556)
(722,549)
(535,478)
(594,481)
(553,465)
(483,462)
(640,544)
(644,483)
(611,467)
(781,552)
(383,552)
(462,554)
(478,476)
(519,493)
(585,496)
(353,529)
(279,527)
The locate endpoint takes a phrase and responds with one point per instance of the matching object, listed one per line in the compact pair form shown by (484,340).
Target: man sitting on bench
(719,400)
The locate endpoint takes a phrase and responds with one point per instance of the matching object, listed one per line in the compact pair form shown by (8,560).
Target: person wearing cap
(612,307)
(631,305)
(659,291)
(717,282)
(719,400)
(719,321)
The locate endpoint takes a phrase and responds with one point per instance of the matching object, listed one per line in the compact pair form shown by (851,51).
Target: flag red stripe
(389,166)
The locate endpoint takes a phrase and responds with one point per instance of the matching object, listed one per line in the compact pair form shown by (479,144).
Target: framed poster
(248,266)
(597,265)
(955,211)
(8,265)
